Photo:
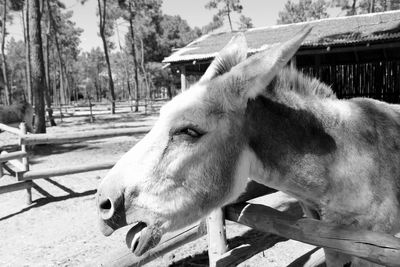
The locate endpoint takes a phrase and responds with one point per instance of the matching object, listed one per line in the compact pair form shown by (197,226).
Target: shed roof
(326,32)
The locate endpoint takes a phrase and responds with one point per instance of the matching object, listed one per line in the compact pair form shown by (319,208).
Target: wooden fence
(17,163)
(287,222)
(379,80)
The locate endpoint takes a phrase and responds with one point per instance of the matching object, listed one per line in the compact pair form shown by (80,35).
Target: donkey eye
(188,131)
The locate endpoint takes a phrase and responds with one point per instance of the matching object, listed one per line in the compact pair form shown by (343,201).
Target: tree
(245,23)
(144,18)
(304,10)
(175,33)
(16,67)
(25,25)
(225,8)
(37,70)
(216,23)
(3,56)
(103,34)
(354,7)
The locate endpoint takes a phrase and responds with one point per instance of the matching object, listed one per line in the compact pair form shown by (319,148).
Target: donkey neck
(290,143)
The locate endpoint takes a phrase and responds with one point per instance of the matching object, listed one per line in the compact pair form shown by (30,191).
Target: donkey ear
(232,54)
(258,70)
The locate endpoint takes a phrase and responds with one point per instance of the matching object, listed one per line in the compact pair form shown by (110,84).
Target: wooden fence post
(25,162)
(216,236)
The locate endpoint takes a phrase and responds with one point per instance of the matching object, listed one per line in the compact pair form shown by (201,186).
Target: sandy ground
(60,227)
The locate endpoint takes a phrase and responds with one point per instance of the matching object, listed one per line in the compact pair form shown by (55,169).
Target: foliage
(225,8)
(16,66)
(175,33)
(354,7)
(304,10)
(245,23)
(216,23)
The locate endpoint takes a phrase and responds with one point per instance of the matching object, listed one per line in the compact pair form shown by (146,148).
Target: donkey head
(196,157)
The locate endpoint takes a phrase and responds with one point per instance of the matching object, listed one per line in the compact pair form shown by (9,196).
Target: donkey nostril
(106,205)
(106,209)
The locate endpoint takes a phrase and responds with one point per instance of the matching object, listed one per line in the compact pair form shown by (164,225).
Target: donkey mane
(292,80)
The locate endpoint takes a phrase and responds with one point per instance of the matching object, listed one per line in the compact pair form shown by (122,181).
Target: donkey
(255,118)
(16,113)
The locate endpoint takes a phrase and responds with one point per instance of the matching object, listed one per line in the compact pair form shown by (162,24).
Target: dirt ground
(60,227)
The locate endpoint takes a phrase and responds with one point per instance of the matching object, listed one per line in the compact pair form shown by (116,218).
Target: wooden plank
(15,187)
(4,157)
(34,139)
(9,129)
(183,78)
(46,173)
(124,258)
(15,163)
(380,248)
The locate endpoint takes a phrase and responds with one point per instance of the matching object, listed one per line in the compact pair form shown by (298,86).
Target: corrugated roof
(326,32)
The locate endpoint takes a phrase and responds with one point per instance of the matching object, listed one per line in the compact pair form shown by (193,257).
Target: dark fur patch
(276,130)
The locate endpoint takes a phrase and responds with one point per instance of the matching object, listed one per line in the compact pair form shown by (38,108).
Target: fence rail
(10,129)
(47,173)
(34,139)
(380,248)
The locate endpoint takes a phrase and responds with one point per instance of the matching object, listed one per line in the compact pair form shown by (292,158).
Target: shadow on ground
(53,149)
(48,198)
(248,237)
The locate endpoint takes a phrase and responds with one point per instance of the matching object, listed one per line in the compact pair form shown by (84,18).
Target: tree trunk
(145,76)
(353,8)
(137,95)
(102,15)
(47,70)
(126,71)
(25,24)
(38,72)
(228,13)
(3,56)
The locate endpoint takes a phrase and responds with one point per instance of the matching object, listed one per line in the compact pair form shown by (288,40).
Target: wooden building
(357,56)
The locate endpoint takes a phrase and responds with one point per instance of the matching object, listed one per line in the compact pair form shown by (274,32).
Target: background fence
(379,80)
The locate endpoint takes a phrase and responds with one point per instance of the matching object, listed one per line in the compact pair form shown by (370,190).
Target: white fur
(242,173)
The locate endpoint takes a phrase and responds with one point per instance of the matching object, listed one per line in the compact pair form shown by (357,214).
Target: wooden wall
(379,80)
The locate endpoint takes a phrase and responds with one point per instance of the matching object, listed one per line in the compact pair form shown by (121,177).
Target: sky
(262,13)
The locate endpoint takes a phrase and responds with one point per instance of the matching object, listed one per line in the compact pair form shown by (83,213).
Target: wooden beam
(125,258)
(15,187)
(33,139)
(182,70)
(13,161)
(380,248)
(4,157)
(9,129)
(216,236)
(46,173)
